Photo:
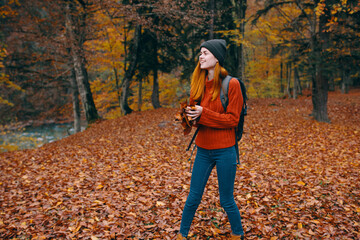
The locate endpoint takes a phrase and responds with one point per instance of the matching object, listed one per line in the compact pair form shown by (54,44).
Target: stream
(33,137)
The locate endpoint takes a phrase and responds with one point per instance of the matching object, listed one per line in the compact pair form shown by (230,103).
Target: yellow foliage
(262,68)
(107,49)
(319,10)
(4,79)
(172,91)
(5,102)
(264,78)
(113,113)
(105,95)
(6,10)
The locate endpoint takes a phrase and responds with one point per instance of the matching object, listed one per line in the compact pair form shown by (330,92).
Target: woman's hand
(194,112)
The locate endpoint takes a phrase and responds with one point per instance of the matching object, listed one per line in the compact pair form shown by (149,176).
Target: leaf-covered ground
(129,178)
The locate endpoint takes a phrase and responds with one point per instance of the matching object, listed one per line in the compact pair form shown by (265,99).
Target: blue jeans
(225,161)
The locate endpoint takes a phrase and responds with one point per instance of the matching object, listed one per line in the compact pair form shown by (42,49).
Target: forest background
(127,177)
(109,58)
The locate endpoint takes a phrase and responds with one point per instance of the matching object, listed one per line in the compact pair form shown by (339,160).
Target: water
(32,137)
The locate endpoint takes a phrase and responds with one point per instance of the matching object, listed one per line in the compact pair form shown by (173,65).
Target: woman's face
(206,59)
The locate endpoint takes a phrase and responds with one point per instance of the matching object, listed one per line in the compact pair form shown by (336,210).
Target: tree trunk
(129,73)
(319,97)
(76,102)
(212,13)
(117,85)
(281,77)
(155,93)
(319,93)
(140,95)
(76,46)
(242,12)
(332,83)
(297,85)
(345,80)
(239,15)
(319,81)
(288,78)
(124,96)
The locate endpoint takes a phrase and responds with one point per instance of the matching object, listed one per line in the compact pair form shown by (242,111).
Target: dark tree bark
(76,102)
(332,83)
(345,78)
(76,40)
(155,93)
(130,71)
(124,96)
(242,11)
(320,84)
(320,97)
(318,41)
(117,85)
(240,14)
(140,94)
(281,77)
(297,86)
(344,82)
(288,78)
(212,19)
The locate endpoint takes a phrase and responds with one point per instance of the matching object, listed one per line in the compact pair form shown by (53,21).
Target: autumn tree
(76,15)
(239,12)
(344,25)
(116,43)
(163,43)
(6,12)
(155,37)
(42,60)
(76,102)
(34,60)
(130,70)
(229,19)
(5,82)
(311,35)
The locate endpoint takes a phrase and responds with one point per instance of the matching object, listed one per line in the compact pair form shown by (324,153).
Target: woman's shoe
(237,237)
(180,237)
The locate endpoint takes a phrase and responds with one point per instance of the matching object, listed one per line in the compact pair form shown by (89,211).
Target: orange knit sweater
(217,126)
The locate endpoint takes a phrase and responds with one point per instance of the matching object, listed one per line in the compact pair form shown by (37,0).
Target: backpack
(239,129)
(225,101)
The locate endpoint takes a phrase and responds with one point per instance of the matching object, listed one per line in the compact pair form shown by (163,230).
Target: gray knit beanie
(217,47)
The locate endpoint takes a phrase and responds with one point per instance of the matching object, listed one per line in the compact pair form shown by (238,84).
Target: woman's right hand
(194,112)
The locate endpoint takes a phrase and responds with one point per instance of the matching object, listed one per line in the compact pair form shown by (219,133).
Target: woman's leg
(226,171)
(203,166)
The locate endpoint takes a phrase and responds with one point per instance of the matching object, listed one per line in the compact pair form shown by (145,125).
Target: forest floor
(129,178)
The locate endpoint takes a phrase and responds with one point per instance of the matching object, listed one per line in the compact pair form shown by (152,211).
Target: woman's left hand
(194,112)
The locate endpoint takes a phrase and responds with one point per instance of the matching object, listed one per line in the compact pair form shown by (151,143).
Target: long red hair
(199,78)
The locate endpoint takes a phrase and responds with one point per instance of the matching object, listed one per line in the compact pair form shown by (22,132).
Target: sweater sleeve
(231,117)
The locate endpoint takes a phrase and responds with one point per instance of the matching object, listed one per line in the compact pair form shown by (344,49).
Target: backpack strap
(192,139)
(225,101)
(190,160)
(224,93)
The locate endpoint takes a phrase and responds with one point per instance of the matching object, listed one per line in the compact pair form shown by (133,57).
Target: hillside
(129,178)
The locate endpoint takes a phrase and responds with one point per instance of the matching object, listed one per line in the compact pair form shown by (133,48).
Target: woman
(216,138)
